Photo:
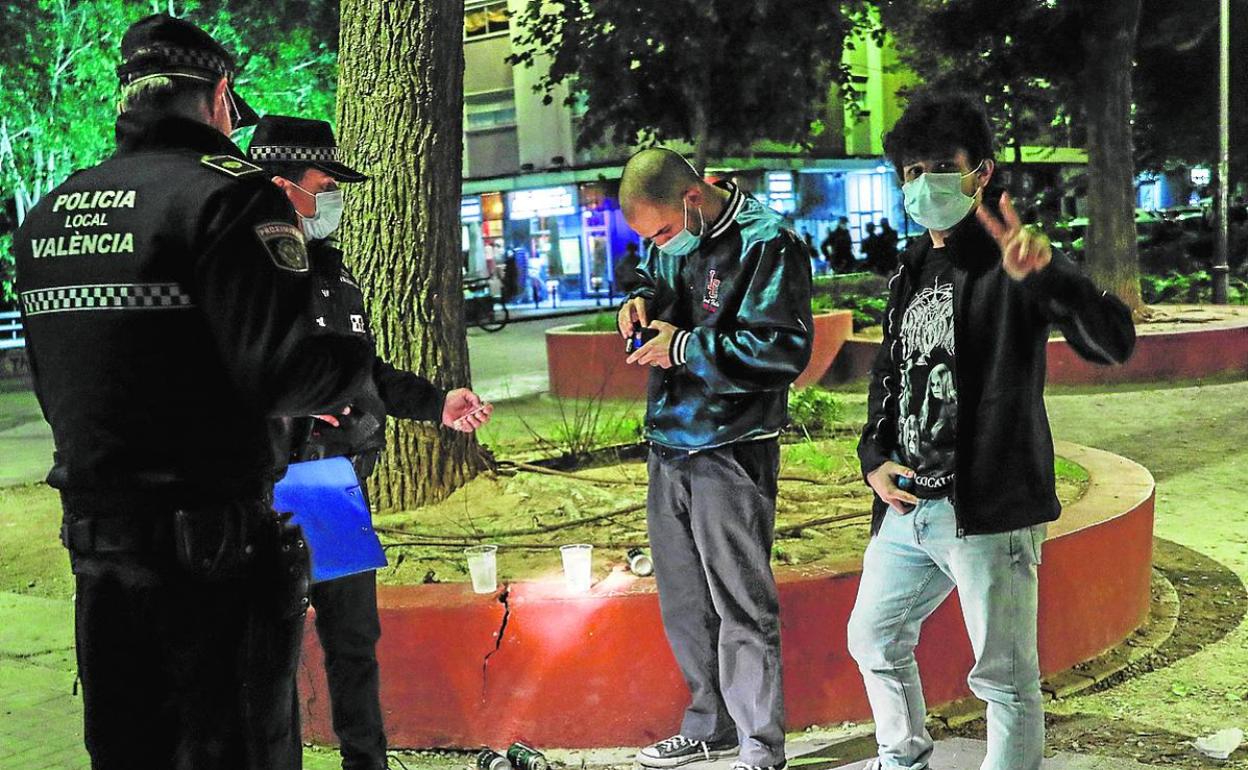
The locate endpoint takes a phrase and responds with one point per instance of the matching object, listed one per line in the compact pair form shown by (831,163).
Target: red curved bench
(597,671)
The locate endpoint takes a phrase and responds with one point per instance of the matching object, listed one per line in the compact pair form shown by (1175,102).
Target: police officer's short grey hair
(161,93)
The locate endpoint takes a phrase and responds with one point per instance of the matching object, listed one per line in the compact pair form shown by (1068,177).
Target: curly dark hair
(938,125)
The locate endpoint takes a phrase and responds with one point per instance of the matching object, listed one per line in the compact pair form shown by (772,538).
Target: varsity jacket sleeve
(770,345)
(879,435)
(1097,324)
(408,396)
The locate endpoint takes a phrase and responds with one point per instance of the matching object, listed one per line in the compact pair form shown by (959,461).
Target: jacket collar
(147,131)
(325,256)
(732,207)
(968,246)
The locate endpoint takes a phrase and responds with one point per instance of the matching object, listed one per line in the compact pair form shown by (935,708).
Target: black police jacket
(1004,452)
(742,303)
(338,306)
(163,293)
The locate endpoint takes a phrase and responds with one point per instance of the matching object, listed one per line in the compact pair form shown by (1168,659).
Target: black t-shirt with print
(928,414)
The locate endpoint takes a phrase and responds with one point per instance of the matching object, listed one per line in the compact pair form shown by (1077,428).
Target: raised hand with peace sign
(1024,249)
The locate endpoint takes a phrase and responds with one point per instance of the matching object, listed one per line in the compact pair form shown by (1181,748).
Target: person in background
(625,273)
(842,247)
(888,248)
(871,247)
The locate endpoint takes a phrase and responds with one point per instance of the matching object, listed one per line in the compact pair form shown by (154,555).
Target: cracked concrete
(503,598)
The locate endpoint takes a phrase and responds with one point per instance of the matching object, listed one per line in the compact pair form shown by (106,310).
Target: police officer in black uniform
(302,157)
(163,294)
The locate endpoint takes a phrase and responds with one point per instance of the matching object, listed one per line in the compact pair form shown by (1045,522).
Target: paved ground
(964,754)
(512,363)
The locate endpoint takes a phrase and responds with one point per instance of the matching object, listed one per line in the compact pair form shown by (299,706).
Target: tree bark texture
(400,102)
(1109,35)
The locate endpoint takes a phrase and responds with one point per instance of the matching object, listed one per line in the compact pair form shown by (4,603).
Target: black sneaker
(739,765)
(679,750)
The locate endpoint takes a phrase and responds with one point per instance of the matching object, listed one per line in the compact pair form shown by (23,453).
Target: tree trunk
(400,102)
(1109,33)
(701,132)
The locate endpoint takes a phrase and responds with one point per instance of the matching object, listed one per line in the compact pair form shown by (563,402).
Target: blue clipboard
(328,504)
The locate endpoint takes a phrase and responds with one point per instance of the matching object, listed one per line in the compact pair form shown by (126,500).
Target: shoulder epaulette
(230,165)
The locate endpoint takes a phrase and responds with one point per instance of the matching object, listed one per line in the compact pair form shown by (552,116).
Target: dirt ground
(529,515)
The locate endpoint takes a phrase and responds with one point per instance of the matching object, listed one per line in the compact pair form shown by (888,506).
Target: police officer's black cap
(162,45)
(282,139)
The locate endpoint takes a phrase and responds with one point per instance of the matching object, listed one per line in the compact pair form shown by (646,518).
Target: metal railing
(11,335)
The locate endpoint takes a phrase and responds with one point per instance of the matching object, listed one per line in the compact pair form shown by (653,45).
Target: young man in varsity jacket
(727,289)
(957,446)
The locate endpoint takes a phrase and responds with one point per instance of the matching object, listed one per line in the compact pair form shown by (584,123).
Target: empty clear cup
(578,563)
(483,566)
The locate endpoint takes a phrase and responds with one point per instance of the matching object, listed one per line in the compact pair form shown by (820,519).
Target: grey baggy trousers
(711,517)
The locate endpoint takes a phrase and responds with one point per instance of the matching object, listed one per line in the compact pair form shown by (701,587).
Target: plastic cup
(483,566)
(578,562)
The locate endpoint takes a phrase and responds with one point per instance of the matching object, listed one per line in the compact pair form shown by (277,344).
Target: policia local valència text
(89,210)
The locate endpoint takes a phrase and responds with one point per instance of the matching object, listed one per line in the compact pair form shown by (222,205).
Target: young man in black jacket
(957,445)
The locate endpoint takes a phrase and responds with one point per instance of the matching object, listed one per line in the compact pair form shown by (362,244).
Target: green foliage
(1065,469)
(8,294)
(665,70)
(1027,57)
(813,410)
(60,91)
(580,426)
(809,454)
(868,310)
(599,322)
(1189,288)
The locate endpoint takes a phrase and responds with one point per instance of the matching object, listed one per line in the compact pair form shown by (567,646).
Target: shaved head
(656,176)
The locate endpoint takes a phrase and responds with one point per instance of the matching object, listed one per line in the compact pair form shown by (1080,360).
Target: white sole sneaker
(711,755)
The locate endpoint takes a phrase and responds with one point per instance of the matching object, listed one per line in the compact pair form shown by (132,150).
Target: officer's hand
(658,351)
(332,419)
(464,411)
(632,311)
(881,480)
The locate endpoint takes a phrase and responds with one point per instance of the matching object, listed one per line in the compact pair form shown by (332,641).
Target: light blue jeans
(910,567)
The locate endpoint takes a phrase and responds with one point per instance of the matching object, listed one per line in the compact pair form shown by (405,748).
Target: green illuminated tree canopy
(58,68)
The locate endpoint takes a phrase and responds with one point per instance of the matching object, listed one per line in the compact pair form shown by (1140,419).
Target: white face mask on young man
(327,217)
(936,200)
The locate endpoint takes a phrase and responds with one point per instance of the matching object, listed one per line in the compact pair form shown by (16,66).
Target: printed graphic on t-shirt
(929,399)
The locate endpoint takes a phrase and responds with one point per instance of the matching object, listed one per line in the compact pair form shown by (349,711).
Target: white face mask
(936,200)
(327,217)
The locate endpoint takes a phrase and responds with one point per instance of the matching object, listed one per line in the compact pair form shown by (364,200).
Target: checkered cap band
(285,153)
(105,296)
(174,56)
